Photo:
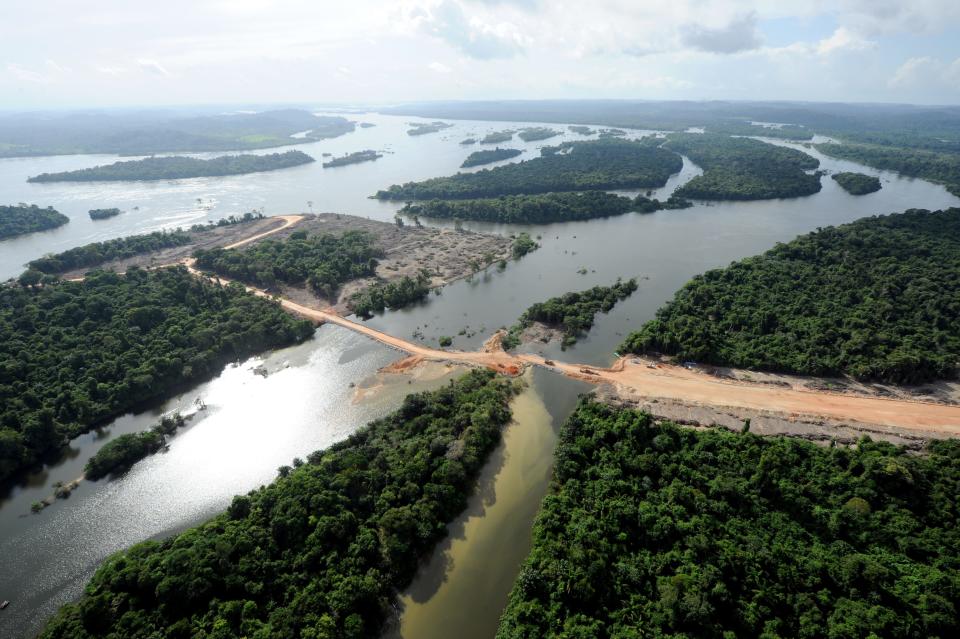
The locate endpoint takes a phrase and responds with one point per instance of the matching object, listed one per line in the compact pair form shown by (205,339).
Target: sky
(68,53)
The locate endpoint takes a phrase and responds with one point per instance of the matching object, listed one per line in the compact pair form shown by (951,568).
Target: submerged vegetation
(942,168)
(744,169)
(103,214)
(487,156)
(572,166)
(717,534)
(522,244)
(353,158)
(876,299)
(573,313)
(320,552)
(22,219)
(857,183)
(179,167)
(77,353)
(322,262)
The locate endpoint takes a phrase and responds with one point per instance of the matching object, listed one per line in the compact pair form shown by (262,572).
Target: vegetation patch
(320,552)
(489,155)
(22,219)
(878,299)
(715,534)
(857,183)
(397,294)
(178,167)
(121,453)
(573,313)
(497,137)
(535,133)
(523,244)
(942,168)
(572,166)
(423,128)
(353,158)
(103,214)
(744,169)
(75,354)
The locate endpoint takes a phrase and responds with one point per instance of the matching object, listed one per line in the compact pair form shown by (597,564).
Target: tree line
(397,294)
(21,219)
(572,166)
(878,299)
(179,167)
(353,158)
(321,551)
(119,454)
(75,354)
(103,214)
(658,531)
(486,156)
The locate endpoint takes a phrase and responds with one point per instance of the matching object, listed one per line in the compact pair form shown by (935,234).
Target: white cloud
(152,66)
(26,75)
(439,67)
(844,40)
(471,35)
(740,34)
(915,71)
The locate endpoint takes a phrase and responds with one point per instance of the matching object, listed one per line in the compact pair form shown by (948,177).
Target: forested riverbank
(22,219)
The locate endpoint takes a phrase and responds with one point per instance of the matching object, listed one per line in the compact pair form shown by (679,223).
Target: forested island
(178,167)
(21,219)
(321,262)
(571,313)
(423,128)
(145,132)
(487,156)
(103,214)
(497,137)
(573,166)
(321,551)
(75,354)
(743,169)
(537,133)
(877,299)
(353,158)
(468,141)
(119,454)
(857,183)
(942,168)
(526,209)
(717,534)
(580,129)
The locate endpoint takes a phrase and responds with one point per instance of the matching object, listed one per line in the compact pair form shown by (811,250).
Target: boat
(4,604)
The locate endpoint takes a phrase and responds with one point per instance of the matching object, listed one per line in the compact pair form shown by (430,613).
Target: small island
(537,133)
(353,158)
(580,129)
(423,128)
(103,214)
(857,183)
(497,137)
(120,454)
(178,167)
(478,158)
(21,219)
(468,141)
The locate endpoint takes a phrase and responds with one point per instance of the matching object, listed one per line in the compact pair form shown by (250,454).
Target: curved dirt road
(288,221)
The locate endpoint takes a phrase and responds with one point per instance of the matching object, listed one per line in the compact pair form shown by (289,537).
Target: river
(254,424)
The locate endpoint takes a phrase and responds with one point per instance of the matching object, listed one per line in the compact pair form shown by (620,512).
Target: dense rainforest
(97,253)
(21,219)
(942,168)
(743,169)
(322,262)
(320,552)
(143,132)
(179,167)
(103,214)
(857,183)
(658,531)
(526,209)
(573,313)
(487,156)
(876,299)
(397,294)
(353,158)
(572,166)
(77,353)
(536,133)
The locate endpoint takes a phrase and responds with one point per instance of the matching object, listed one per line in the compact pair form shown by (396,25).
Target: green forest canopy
(21,219)
(857,183)
(487,156)
(320,552)
(572,166)
(876,299)
(323,262)
(656,531)
(526,209)
(77,353)
(103,214)
(179,167)
(743,168)
(942,168)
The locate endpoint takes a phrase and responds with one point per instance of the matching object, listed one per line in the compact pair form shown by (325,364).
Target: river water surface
(254,424)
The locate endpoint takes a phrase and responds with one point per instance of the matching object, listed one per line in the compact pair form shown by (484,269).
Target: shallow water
(254,425)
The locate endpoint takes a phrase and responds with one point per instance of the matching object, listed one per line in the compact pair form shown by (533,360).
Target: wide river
(254,424)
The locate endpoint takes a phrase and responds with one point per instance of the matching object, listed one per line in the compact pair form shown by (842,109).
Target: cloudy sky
(67,53)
